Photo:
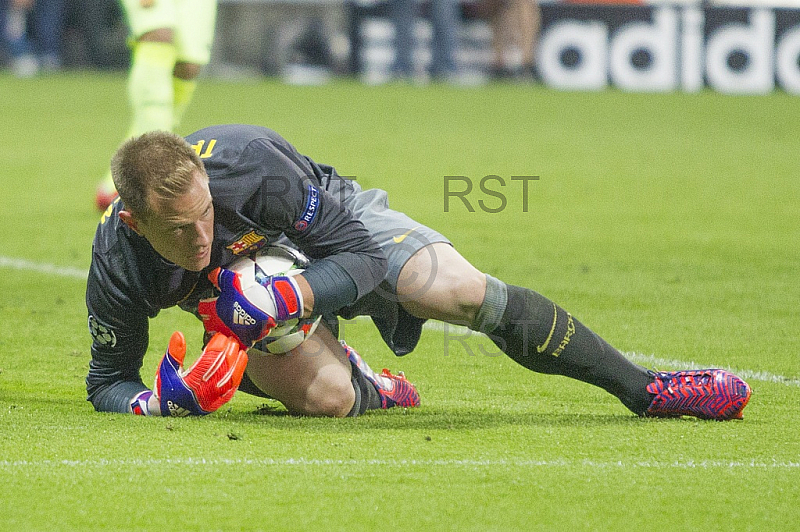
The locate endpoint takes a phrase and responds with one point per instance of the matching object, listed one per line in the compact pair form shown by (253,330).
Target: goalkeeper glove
(250,313)
(208,384)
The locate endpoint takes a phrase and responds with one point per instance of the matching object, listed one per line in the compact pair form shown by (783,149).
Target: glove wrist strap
(289,298)
(139,404)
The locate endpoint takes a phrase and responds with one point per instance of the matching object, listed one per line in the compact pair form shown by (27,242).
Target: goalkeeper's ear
(130,220)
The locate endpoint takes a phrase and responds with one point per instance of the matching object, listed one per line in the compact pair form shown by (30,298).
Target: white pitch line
(39,267)
(656,362)
(305,462)
(459,332)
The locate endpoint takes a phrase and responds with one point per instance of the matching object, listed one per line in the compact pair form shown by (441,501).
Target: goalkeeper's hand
(250,314)
(208,384)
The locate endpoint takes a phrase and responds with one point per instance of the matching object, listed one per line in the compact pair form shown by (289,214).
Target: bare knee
(470,291)
(157,35)
(457,294)
(329,397)
(313,379)
(186,71)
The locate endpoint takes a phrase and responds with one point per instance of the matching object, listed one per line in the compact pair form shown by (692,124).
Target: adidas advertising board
(657,49)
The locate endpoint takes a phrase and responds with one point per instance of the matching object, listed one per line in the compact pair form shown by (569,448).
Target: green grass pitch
(667,223)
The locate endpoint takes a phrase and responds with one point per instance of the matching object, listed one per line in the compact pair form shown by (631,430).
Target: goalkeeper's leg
(322,377)
(525,325)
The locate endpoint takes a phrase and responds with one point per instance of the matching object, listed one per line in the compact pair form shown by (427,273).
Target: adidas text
(240,316)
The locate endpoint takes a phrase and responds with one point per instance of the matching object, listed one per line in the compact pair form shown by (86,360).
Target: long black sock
(367,397)
(543,337)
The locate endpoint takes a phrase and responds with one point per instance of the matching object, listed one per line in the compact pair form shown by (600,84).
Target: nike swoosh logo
(398,239)
(543,347)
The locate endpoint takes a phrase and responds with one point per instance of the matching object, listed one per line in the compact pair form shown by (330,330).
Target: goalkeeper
(189,207)
(156,246)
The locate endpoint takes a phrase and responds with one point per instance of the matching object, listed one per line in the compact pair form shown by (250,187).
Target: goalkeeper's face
(180,229)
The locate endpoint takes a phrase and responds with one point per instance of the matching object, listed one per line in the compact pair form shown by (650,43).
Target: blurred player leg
(515,28)
(183,89)
(403,14)
(153,58)
(194,36)
(150,83)
(171,43)
(150,94)
(14,35)
(529,18)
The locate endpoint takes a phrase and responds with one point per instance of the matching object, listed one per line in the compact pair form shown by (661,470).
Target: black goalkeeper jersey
(263,190)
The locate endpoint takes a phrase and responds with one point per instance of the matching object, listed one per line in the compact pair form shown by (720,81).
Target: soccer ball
(277,259)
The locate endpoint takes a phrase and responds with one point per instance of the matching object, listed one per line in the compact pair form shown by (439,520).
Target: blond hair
(154,166)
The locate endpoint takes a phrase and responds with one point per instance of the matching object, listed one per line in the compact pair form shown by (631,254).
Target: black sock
(367,397)
(543,337)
